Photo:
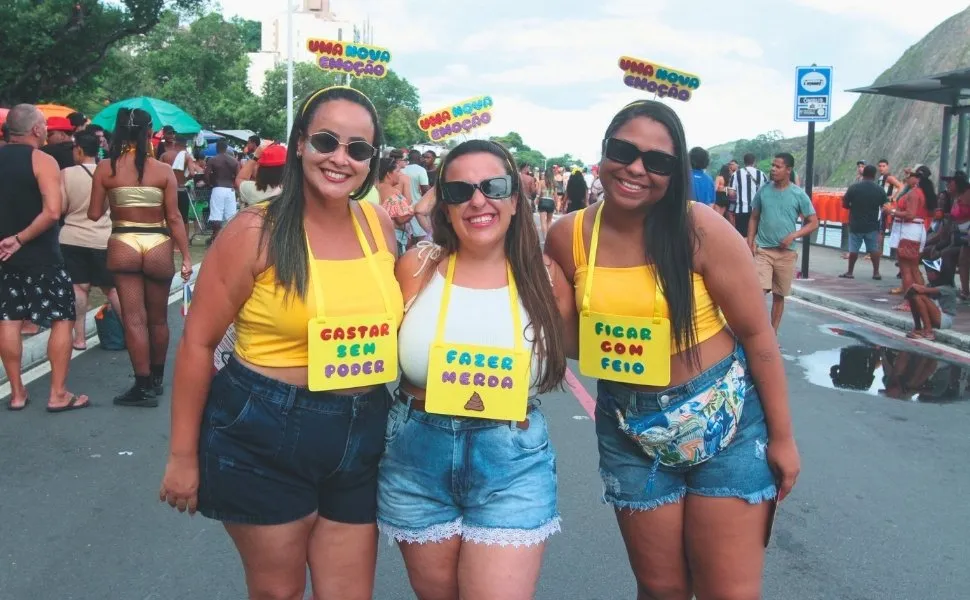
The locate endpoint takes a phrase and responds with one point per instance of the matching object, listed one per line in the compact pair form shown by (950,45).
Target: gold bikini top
(135,197)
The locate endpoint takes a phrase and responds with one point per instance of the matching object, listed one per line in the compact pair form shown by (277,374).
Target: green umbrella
(163,113)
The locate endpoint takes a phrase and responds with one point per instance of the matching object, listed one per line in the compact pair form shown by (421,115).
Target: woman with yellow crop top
(468,480)
(283,445)
(693,424)
(145,227)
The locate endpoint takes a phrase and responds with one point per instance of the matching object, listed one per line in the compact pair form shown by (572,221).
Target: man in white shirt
(419,185)
(745,184)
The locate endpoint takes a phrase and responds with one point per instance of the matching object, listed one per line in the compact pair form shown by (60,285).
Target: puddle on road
(887,369)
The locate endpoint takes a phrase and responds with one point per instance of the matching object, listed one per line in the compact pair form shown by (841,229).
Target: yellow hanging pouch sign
(622,348)
(350,351)
(470,380)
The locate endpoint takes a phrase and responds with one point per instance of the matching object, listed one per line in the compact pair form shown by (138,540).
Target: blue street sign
(813,94)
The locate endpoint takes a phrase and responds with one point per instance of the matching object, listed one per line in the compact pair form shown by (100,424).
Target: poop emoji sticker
(475,403)
(470,380)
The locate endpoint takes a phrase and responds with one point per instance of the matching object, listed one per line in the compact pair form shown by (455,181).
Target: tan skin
(341,557)
(391,187)
(909,268)
(710,547)
(454,569)
(143,282)
(780,178)
(59,344)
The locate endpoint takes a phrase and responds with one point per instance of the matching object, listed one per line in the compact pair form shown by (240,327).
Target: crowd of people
(927,233)
(429,274)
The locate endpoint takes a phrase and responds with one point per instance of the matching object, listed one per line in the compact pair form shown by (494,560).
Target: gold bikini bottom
(140,237)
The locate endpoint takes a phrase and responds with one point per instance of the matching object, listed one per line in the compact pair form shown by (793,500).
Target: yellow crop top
(135,196)
(631,290)
(272,332)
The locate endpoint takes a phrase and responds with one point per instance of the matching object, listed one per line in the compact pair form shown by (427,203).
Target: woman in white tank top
(468,460)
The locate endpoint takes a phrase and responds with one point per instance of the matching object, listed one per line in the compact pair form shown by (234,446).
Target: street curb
(948,337)
(35,347)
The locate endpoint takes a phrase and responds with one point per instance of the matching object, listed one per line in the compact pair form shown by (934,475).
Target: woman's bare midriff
(410,388)
(297,376)
(710,352)
(141,214)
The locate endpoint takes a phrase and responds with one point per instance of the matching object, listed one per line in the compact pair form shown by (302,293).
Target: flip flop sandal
(79,348)
(71,405)
(914,335)
(846,276)
(877,277)
(13,408)
(896,291)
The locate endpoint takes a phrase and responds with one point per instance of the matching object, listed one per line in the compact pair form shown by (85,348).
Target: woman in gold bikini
(145,220)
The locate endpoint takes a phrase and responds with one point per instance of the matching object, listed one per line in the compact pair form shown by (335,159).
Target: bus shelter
(952,91)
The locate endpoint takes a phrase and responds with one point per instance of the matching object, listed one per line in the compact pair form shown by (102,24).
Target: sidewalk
(865,297)
(35,347)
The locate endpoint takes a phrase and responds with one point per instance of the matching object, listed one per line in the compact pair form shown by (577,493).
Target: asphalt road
(880,512)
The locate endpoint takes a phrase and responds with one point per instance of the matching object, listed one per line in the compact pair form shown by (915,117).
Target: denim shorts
(738,471)
(273,453)
(491,482)
(870,239)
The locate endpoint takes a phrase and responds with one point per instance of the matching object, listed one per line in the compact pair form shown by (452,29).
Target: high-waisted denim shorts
(740,470)
(272,453)
(491,482)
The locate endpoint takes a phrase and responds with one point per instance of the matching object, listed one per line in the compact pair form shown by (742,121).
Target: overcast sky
(551,65)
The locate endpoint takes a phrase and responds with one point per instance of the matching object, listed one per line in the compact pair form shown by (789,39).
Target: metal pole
(289,67)
(945,143)
(961,140)
(809,177)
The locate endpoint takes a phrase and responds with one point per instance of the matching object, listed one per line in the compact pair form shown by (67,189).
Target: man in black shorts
(33,282)
(84,243)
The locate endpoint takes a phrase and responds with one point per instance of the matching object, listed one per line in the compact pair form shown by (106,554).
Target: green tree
(200,68)
(566,160)
(251,31)
(54,46)
(524,155)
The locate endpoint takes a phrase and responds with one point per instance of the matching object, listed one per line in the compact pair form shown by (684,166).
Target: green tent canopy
(163,113)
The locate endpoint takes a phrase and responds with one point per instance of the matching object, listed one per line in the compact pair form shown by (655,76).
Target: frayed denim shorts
(631,480)
(491,482)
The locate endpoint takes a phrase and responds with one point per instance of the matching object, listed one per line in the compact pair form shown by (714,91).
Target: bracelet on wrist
(17,237)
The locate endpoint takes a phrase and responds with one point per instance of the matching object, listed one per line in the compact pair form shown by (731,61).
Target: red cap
(59,124)
(273,156)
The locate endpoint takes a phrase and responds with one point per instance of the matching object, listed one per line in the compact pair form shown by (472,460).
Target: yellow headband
(322,91)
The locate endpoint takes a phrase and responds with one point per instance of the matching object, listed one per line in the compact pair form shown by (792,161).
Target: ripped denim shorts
(491,482)
(633,480)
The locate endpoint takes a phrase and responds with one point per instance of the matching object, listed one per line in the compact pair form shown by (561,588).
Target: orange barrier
(828,206)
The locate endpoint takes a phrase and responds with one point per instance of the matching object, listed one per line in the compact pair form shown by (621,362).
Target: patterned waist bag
(693,430)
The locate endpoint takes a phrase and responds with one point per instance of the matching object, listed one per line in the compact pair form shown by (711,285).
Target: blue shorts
(738,471)
(273,453)
(871,240)
(491,482)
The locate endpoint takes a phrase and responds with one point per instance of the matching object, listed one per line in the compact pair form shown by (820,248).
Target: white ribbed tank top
(474,317)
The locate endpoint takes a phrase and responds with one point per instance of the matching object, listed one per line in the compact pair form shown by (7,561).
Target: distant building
(312,19)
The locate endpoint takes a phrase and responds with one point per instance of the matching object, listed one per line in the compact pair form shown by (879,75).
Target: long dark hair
(283,224)
(524,255)
(268,177)
(133,127)
(929,192)
(576,191)
(549,182)
(387,166)
(669,239)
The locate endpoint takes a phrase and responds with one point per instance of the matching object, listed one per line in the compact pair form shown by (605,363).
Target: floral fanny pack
(695,429)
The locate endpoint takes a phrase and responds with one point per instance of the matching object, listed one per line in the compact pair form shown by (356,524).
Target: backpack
(111,333)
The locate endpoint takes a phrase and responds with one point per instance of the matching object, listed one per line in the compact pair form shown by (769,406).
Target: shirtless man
(181,161)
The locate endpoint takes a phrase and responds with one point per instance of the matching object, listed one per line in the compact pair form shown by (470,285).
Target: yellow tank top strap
(374,223)
(579,248)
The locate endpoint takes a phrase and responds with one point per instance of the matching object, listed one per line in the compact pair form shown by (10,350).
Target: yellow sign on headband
(622,348)
(472,380)
(322,91)
(351,351)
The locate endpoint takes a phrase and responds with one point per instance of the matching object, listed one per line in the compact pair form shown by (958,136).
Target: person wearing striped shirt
(745,183)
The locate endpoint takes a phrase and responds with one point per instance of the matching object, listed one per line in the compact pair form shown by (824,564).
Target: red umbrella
(3,115)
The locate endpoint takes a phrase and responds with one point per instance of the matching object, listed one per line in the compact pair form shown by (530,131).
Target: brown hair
(524,255)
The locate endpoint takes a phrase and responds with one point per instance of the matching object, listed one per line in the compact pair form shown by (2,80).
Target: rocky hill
(905,132)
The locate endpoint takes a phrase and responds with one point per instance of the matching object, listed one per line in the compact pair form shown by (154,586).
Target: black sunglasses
(459,192)
(625,153)
(325,142)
